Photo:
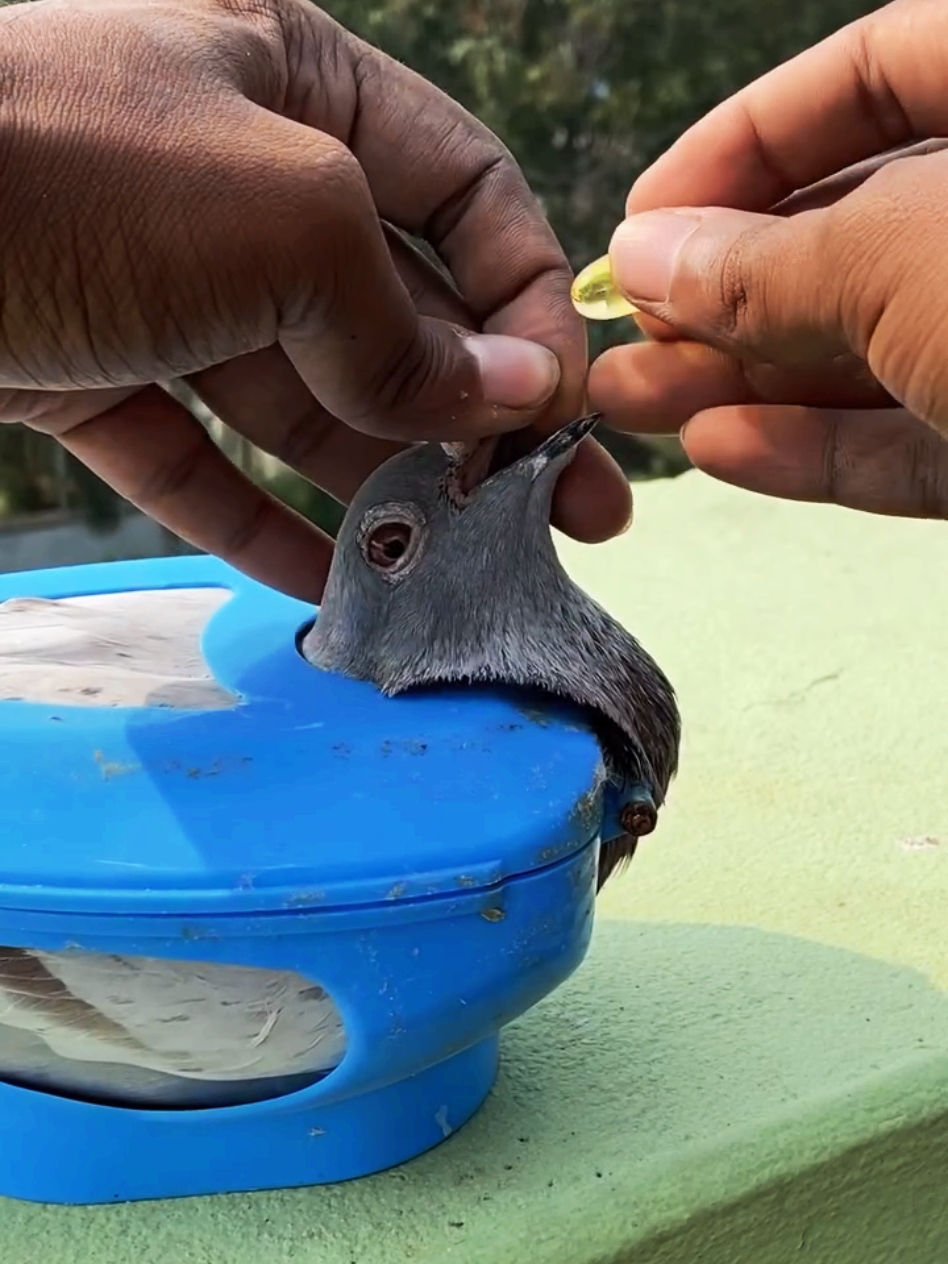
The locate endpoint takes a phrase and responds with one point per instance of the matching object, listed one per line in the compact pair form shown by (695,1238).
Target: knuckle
(311,228)
(888,294)
(169,480)
(833,462)
(321,190)
(304,439)
(239,541)
(766,287)
(493,174)
(733,303)
(856,240)
(878,97)
(409,374)
(914,368)
(336,156)
(889,463)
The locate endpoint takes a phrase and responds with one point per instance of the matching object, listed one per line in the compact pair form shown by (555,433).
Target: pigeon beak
(559,444)
(475,465)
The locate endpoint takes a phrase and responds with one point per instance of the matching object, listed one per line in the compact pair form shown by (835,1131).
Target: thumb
(852,278)
(350,327)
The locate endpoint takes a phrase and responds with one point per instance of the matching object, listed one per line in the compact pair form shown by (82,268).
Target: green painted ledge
(752,1066)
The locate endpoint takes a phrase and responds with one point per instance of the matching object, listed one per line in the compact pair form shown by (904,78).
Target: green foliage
(101,509)
(25,486)
(37,474)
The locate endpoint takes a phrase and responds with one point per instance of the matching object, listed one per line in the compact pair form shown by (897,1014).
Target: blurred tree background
(585,92)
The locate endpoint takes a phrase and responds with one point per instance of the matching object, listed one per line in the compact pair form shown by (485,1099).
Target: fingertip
(514,372)
(629,386)
(750,428)
(644,195)
(773,450)
(725,441)
(613,380)
(668,182)
(593,499)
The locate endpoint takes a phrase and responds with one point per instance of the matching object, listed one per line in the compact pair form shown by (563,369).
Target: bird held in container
(445,572)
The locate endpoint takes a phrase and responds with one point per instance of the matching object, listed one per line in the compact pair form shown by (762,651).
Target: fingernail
(515,373)
(644,250)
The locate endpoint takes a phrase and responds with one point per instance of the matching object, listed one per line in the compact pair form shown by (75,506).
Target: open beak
(517,452)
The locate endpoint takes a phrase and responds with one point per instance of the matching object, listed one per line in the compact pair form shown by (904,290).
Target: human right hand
(800,331)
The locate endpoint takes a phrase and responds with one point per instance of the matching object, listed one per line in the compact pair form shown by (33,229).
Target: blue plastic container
(428,860)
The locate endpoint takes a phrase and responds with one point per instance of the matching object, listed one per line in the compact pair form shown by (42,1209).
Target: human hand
(804,350)
(211,190)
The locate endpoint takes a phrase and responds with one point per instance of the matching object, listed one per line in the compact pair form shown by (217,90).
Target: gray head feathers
(445,572)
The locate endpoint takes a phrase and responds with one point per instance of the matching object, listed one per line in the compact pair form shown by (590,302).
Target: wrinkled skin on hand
(801,335)
(220,192)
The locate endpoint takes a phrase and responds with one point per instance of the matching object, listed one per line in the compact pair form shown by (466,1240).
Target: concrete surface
(752,1066)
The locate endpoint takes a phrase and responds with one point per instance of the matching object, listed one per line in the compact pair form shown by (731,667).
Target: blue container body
(429,861)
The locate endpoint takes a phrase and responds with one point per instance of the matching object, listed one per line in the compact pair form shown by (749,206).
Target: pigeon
(445,573)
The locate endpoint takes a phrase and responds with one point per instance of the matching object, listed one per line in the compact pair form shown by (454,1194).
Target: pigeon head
(445,572)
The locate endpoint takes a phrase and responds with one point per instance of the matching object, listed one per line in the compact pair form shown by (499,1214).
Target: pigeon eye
(390,538)
(388,544)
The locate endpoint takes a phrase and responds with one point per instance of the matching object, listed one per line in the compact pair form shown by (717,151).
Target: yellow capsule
(595,296)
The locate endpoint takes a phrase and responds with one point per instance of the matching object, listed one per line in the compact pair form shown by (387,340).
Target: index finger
(436,172)
(151,450)
(875,84)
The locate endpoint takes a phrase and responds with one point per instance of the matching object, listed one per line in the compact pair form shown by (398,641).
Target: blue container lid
(315,792)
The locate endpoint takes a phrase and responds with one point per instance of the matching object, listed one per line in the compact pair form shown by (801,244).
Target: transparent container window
(162,1033)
